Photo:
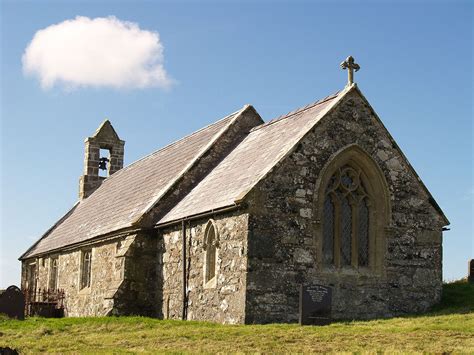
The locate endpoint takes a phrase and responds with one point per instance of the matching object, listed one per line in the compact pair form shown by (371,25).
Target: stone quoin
(228,223)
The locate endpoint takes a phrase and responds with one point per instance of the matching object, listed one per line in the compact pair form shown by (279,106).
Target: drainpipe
(183,232)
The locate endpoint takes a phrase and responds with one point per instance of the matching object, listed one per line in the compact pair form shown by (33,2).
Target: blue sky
(416,60)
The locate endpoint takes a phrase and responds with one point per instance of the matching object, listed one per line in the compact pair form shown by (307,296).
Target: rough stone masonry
(322,195)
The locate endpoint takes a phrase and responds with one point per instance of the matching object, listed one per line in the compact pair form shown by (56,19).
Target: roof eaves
(118,233)
(61,220)
(430,196)
(214,211)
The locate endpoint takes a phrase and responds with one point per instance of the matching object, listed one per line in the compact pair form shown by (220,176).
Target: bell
(103,163)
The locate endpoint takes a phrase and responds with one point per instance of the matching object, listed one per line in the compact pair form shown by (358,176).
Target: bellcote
(103,157)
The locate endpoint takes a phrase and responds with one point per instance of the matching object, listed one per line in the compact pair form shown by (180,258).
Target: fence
(44,302)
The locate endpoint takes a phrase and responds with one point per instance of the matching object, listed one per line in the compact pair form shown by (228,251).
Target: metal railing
(44,301)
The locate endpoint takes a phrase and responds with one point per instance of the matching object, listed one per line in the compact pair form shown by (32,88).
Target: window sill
(212,283)
(351,272)
(85,291)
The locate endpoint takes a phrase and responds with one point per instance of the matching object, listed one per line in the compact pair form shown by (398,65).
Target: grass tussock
(449,328)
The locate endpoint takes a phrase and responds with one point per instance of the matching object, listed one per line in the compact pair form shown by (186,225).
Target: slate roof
(126,195)
(250,161)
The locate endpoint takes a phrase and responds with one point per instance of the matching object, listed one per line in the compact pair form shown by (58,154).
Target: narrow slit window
(53,276)
(211,244)
(86,269)
(211,270)
(31,276)
(211,255)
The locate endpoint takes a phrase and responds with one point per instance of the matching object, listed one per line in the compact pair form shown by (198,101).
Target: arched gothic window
(354,210)
(346,219)
(211,245)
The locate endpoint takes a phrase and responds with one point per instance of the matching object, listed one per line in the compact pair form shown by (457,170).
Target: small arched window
(354,211)
(211,245)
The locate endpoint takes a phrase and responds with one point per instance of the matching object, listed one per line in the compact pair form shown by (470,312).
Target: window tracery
(346,219)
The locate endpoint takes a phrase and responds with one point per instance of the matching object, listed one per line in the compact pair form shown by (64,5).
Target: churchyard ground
(449,328)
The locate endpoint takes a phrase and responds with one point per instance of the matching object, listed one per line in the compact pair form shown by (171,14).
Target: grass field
(449,328)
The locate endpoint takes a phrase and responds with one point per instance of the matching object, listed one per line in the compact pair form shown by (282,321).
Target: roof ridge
(169,145)
(296,111)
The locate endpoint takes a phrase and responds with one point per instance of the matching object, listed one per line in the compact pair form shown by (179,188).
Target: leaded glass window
(86,269)
(328,233)
(363,233)
(346,231)
(210,247)
(31,276)
(53,275)
(346,219)
(211,255)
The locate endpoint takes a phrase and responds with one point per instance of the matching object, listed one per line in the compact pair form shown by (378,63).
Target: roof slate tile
(249,161)
(123,197)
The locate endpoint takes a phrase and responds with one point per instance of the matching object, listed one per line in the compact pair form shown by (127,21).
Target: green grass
(449,328)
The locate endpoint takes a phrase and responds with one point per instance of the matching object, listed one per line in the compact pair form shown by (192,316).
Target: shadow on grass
(457,298)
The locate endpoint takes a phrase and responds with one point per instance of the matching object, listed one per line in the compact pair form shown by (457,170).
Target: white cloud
(99,52)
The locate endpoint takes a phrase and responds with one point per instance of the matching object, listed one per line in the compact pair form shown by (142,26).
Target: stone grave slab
(12,303)
(315,305)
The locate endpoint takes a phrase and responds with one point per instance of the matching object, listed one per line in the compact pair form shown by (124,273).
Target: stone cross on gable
(350,65)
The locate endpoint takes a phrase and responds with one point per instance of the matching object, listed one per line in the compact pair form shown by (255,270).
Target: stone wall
(224,303)
(123,277)
(267,251)
(284,235)
(139,293)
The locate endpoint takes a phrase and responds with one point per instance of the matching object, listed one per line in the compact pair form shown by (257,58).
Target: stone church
(225,224)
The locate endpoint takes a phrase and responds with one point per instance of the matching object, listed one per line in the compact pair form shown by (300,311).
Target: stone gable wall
(225,303)
(284,242)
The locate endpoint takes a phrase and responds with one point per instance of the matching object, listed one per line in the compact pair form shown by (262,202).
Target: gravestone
(315,305)
(470,277)
(8,351)
(12,303)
